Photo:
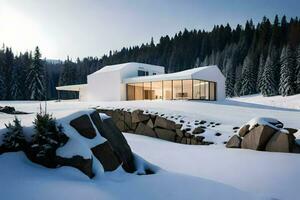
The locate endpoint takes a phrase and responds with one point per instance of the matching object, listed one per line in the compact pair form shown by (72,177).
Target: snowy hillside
(189,172)
(292,102)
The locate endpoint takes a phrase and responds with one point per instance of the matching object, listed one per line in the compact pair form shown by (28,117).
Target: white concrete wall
(104,86)
(108,86)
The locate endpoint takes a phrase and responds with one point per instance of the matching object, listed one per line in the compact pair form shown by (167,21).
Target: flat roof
(186,74)
(75,88)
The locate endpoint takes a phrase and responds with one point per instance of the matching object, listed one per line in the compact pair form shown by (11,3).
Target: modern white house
(138,81)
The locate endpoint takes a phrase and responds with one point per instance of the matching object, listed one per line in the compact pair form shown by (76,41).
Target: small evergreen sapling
(48,137)
(14,138)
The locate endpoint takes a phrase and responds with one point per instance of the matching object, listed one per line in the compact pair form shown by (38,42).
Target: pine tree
(286,87)
(260,72)
(35,78)
(269,85)
(15,91)
(248,76)
(297,71)
(2,88)
(230,81)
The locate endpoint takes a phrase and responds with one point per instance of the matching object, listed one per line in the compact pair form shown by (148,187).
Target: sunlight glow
(20,31)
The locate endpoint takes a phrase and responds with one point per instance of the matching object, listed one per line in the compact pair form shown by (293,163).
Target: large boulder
(258,137)
(78,162)
(164,123)
(244,130)
(281,142)
(145,130)
(234,142)
(109,131)
(165,134)
(138,116)
(106,155)
(84,126)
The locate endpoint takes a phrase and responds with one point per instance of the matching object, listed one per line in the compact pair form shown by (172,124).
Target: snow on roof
(77,87)
(186,74)
(117,67)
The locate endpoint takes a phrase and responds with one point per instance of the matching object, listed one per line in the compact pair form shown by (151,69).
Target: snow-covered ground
(189,172)
(292,102)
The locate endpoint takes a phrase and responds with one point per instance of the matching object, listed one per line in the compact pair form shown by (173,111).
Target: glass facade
(172,90)
(167,90)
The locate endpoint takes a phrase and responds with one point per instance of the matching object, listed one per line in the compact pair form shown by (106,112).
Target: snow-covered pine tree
(15,83)
(197,62)
(260,72)
(297,71)
(35,78)
(230,81)
(14,138)
(237,84)
(248,76)
(286,87)
(269,85)
(2,88)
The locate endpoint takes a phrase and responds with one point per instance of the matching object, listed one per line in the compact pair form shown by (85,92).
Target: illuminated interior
(172,90)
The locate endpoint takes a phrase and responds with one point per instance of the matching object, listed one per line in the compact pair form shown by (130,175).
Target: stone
(178,139)
(7,109)
(193,141)
(78,162)
(179,132)
(258,137)
(280,142)
(84,126)
(164,123)
(178,126)
(127,121)
(119,119)
(165,134)
(198,130)
(145,130)
(296,148)
(234,142)
(107,157)
(200,138)
(218,134)
(244,130)
(291,130)
(183,140)
(150,123)
(138,116)
(109,131)
(188,140)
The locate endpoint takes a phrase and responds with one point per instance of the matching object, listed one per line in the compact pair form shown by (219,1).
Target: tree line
(262,58)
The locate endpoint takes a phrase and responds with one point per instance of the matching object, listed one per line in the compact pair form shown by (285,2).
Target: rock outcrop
(156,126)
(265,134)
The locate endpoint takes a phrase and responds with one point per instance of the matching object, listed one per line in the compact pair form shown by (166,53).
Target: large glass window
(177,89)
(167,87)
(212,91)
(196,89)
(130,91)
(156,90)
(172,89)
(138,91)
(147,90)
(187,89)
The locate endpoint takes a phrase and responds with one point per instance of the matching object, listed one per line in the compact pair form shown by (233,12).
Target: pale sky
(80,28)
